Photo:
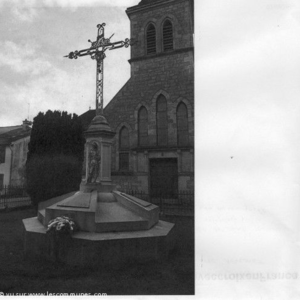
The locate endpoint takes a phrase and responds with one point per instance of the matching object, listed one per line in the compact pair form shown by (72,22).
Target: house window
(2,154)
(124,147)
(1,181)
(143,126)
(167,36)
(151,39)
(162,121)
(182,125)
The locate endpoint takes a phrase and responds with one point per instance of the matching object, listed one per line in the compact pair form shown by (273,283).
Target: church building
(153,114)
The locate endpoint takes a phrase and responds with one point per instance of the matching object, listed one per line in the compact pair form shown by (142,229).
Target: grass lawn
(174,276)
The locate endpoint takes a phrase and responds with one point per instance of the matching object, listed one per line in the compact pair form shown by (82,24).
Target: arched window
(143,126)
(162,121)
(182,125)
(151,39)
(167,36)
(124,138)
(124,147)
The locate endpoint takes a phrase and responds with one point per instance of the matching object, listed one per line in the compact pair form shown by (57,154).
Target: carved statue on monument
(94,163)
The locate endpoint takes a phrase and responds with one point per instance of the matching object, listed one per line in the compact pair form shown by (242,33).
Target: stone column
(99,137)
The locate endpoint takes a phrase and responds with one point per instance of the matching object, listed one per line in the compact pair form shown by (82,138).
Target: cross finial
(96,51)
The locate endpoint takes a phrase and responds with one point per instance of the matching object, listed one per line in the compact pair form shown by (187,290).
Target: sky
(34,37)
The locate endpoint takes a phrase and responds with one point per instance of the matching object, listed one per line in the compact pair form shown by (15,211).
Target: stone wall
(179,12)
(170,74)
(20,149)
(5,167)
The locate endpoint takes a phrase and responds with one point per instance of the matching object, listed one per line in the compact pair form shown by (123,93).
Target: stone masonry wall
(179,12)
(20,150)
(170,74)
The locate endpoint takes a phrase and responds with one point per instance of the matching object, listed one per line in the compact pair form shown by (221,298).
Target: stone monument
(113,227)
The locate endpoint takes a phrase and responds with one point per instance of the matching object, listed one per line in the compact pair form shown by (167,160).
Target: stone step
(112,217)
(41,216)
(82,211)
(140,207)
(85,219)
(79,200)
(106,197)
(47,203)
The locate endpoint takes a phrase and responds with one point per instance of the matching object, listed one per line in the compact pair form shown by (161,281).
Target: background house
(13,153)
(153,114)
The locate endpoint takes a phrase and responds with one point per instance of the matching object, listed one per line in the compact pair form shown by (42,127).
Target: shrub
(55,157)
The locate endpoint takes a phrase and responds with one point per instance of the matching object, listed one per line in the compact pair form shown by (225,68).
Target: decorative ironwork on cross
(96,51)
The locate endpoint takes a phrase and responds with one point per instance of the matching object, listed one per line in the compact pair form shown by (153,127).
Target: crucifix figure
(96,51)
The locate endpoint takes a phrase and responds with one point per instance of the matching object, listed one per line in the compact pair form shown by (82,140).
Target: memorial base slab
(114,228)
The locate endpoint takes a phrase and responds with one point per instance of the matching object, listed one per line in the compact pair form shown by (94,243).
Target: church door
(163,177)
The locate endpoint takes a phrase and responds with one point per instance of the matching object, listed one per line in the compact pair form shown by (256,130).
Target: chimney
(26,124)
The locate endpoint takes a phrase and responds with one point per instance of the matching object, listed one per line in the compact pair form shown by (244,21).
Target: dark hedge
(55,156)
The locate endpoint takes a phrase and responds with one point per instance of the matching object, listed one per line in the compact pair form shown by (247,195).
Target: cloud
(68,3)
(80,3)
(24,14)
(29,10)
(55,90)
(34,71)
(43,85)
(68,86)
(23,58)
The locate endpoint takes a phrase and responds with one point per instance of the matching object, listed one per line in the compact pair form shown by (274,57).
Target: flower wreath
(62,225)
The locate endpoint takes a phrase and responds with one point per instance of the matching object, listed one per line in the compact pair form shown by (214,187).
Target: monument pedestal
(113,227)
(97,249)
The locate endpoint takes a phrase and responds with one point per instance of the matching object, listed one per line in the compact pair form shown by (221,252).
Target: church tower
(153,114)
